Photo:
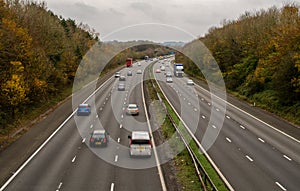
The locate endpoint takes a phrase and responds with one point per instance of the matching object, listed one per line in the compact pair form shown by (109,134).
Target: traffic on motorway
(107,142)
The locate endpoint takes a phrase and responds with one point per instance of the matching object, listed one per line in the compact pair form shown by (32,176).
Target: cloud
(192,15)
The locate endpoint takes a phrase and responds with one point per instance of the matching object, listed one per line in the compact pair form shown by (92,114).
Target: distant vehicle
(122,78)
(139,71)
(178,70)
(169,80)
(139,64)
(157,71)
(128,62)
(117,74)
(168,74)
(163,68)
(146,57)
(99,138)
(190,82)
(84,109)
(140,144)
(121,87)
(129,73)
(132,109)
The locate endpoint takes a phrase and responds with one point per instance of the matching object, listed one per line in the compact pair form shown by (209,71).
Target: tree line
(39,55)
(259,57)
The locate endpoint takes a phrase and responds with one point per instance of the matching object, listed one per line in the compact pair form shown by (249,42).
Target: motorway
(67,162)
(249,153)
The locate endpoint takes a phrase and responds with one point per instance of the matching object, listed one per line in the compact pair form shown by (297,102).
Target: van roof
(144,135)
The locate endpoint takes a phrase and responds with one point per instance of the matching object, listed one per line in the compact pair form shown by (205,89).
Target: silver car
(140,144)
(169,80)
(122,78)
(139,71)
(132,109)
(121,87)
(117,74)
(190,82)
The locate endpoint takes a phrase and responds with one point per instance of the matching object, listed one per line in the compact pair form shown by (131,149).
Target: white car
(169,80)
(117,74)
(190,82)
(139,64)
(121,87)
(122,78)
(132,109)
(168,74)
(139,71)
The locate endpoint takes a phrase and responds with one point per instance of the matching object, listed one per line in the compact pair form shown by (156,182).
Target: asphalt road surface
(250,154)
(67,162)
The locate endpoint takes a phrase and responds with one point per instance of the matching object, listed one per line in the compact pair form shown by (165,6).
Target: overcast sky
(157,20)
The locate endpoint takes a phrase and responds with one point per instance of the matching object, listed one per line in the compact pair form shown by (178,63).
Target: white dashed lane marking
(116,158)
(112,187)
(261,140)
(228,139)
(83,140)
(249,158)
(288,158)
(241,126)
(73,160)
(280,186)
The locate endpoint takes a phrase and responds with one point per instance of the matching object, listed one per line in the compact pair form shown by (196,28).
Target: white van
(140,144)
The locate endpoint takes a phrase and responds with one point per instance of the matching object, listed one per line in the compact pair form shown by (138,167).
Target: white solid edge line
(274,128)
(47,140)
(198,143)
(161,177)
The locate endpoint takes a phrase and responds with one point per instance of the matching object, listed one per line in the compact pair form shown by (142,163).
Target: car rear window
(98,136)
(140,142)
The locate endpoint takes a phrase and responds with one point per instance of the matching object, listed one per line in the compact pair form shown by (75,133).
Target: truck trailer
(178,70)
(128,62)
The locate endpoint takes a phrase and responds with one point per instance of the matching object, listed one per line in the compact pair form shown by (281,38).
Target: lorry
(178,70)
(128,62)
